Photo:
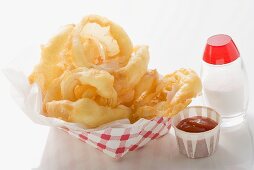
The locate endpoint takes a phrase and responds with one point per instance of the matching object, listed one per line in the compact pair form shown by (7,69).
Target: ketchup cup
(198,144)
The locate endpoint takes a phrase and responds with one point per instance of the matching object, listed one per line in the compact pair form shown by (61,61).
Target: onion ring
(86,112)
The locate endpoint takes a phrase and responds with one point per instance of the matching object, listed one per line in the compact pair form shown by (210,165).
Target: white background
(176,32)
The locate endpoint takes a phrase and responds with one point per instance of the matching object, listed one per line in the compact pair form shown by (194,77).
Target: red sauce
(196,124)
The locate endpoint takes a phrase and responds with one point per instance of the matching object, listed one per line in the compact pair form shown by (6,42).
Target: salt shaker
(224,79)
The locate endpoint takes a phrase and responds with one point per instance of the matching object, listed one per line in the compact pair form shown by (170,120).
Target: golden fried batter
(91,74)
(173,93)
(86,112)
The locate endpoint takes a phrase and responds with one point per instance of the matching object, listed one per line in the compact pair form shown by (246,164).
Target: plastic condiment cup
(197,145)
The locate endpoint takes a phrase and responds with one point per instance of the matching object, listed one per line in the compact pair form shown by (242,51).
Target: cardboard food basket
(115,139)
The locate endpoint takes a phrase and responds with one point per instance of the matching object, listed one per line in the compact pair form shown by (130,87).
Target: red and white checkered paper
(116,142)
(114,139)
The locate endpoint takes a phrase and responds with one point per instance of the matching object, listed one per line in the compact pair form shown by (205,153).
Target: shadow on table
(235,152)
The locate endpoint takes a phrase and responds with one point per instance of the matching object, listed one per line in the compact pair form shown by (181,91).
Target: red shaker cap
(220,49)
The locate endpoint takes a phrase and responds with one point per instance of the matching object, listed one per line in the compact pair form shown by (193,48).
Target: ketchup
(196,124)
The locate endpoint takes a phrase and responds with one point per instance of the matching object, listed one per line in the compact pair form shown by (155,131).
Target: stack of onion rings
(91,74)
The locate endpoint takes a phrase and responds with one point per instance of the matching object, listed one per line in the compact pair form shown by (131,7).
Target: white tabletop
(176,32)
(235,151)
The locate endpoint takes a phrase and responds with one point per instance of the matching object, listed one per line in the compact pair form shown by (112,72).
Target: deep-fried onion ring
(86,112)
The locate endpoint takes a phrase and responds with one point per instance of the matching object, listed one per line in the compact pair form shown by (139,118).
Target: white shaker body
(225,89)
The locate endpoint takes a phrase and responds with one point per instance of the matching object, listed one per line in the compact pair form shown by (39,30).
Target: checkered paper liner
(114,139)
(116,142)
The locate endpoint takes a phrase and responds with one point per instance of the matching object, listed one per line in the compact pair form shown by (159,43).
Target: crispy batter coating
(126,78)
(51,55)
(98,41)
(90,73)
(173,93)
(88,83)
(86,112)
